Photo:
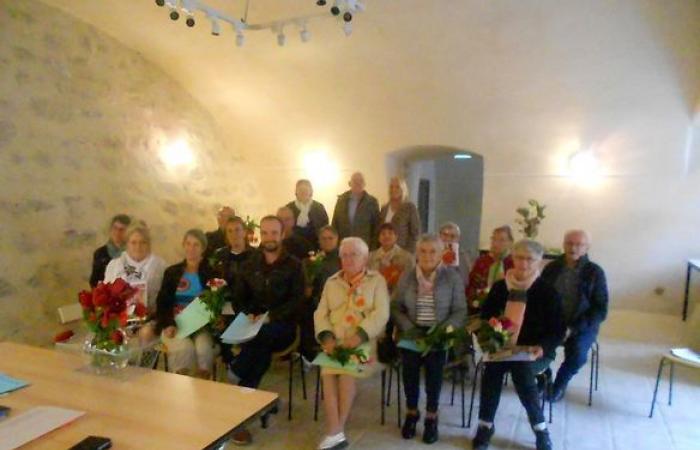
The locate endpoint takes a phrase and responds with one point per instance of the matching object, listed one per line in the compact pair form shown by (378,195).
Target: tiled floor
(631,344)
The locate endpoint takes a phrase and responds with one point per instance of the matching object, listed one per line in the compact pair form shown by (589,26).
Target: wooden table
(692,264)
(137,409)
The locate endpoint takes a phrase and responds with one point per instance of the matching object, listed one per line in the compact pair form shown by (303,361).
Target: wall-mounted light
(320,169)
(462,156)
(584,167)
(177,154)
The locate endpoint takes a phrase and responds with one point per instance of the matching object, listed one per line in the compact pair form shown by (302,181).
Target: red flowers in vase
(105,311)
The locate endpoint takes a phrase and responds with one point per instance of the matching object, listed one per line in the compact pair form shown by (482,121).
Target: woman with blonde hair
(403,214)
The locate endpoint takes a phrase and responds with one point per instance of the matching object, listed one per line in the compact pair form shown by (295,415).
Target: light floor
(631,344)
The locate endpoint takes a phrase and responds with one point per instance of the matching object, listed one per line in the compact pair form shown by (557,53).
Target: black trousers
(256,355)
(523,376)
(433,362)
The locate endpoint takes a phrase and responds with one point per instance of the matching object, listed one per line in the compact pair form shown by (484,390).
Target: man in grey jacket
(357,213)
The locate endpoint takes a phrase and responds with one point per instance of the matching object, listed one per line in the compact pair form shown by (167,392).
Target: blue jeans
(255,357)
(576,349)
(434,362)
(523,376)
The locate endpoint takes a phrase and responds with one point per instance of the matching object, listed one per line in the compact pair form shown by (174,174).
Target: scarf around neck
(425,284)
(497,269)
(303,218)
(113,250)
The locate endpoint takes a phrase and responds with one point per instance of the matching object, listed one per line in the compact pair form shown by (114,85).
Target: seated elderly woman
(430,295)
(182,283)
(141,269)
(535,308)
(353,310)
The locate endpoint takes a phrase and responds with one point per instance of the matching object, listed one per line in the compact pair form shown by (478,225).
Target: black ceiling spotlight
(347,17)
(190,21)
(321,2)
(160,2)
(174,15)
(335,10)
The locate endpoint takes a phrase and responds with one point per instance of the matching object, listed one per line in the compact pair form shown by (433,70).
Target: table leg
(687,291)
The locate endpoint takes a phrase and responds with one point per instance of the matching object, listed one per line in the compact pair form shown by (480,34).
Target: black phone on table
(93,443)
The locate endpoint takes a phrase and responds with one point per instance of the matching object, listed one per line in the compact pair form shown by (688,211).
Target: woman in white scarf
(137,265)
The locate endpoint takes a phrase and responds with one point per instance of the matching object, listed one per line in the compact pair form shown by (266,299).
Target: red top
(479,276)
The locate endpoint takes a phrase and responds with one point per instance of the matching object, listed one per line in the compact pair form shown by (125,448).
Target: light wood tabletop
(138,408)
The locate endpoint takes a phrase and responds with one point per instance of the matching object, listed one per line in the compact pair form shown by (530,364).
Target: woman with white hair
(401,213)
(138,266)
(353,310)
(430,295)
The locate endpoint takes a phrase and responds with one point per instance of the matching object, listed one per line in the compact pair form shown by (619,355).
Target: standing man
(112,249)
(271,282)
(217,238)
(582,286)
(357,213)
(309,214)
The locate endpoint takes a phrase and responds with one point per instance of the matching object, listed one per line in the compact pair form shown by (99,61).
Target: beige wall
(82,121)
(522,83)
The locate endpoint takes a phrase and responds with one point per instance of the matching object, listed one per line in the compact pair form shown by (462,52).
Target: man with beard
(271,282)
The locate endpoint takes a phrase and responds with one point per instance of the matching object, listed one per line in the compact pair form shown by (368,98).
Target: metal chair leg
(590,383)
(165,362)
(597,364)
(303,376)
(656,388)
(670,382)
(477,371)
(398,395)
(291,378)
(388,390)
(454,384)
(383,394)
(318,390)
(463,375)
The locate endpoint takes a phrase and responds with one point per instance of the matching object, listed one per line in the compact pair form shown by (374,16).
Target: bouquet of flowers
(391,274)
(345,356)
(105,312)
(494,334)
(479,298)
(214,299)
(437,337)
(313,264)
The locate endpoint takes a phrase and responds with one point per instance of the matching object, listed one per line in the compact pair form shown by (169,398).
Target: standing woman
(182,283)
(403,214)
(432,294)
(354,309)
(309,214)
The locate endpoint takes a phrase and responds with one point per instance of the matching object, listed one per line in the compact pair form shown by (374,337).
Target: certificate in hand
(242,329)
(192,318)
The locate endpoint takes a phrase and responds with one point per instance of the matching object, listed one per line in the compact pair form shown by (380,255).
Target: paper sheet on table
(324,360)
(192,318)
(242,329)
(9,384)
(32,424)
(687,354)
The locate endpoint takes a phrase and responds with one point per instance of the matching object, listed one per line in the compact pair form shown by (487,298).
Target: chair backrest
(70,313)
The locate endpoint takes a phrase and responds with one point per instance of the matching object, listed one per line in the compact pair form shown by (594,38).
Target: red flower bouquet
(495,334)
(105,312)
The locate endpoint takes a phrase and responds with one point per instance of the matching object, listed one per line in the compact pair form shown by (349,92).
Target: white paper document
(242,329)
(25,427)
(687,354)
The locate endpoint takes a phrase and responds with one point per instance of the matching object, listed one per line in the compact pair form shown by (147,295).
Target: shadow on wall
(447,184)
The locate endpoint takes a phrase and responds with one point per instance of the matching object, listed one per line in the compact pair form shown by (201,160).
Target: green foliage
(530,218)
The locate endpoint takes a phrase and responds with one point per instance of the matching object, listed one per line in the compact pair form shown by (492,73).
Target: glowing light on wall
(177,154)
(584,167)
(321,169)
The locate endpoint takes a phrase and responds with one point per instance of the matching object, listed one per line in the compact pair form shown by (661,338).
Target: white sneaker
(337,441)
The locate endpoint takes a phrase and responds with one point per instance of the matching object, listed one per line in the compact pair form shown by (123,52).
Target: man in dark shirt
(217,238)
(356,213)
(584,291)
(271,282)
(112,249)
(292,242)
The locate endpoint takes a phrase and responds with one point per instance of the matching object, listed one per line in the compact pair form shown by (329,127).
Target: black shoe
(542,441)
(408,431)
(557,393)
(430,430)
(483,437)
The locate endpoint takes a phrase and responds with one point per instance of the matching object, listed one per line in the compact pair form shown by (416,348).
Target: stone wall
(83,121)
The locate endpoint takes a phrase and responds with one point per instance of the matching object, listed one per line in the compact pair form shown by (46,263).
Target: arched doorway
(446,183)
